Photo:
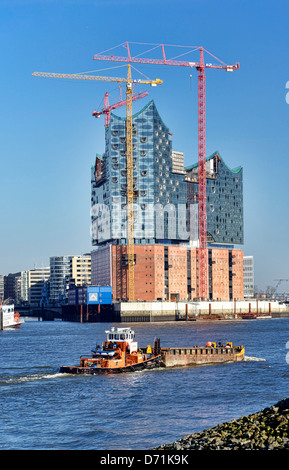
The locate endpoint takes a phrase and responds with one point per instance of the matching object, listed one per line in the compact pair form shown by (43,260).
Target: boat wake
(28,378)
(251,358)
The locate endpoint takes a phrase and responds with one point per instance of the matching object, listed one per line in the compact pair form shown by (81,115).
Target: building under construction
(144,199)
(165,217)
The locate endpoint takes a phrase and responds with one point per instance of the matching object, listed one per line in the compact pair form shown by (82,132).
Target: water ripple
(132,411)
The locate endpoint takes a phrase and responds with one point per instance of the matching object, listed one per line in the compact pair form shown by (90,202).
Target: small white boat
(9,318)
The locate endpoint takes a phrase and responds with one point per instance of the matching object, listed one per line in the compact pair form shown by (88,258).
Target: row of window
(122,140)
(142,153)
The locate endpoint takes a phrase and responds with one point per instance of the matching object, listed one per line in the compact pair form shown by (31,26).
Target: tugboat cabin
(122,338)
(120,334)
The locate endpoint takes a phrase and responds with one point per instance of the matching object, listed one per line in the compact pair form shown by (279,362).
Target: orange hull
(119,353)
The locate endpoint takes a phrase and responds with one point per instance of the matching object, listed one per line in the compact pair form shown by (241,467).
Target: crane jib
(155,82)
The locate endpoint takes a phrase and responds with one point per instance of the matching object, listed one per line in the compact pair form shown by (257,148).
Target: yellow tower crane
(129,152)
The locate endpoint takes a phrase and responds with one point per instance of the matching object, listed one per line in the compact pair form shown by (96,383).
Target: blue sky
(49,138)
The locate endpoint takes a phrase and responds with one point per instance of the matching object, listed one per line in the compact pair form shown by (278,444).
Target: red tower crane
(200,66)
(107,108)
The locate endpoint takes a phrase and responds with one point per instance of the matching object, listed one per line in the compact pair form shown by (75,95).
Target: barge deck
(197,355)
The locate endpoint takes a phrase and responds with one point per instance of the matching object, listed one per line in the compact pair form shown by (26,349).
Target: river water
(44,410)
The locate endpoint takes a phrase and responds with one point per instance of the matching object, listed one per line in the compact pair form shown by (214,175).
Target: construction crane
(129,152)
(278,283)
(200,66)
(107,108)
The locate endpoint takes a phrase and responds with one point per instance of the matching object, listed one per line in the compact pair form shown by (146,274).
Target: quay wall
(172,311)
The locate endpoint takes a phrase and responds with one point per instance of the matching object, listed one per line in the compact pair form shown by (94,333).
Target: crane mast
(203,264)
(129,153)
(130,192)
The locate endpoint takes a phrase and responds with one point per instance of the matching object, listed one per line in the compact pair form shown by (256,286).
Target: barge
(121,353)
(198,355)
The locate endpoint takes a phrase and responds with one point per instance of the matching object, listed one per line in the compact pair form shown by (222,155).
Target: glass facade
(60,275)
(159,194)
(165,198)
(224,201)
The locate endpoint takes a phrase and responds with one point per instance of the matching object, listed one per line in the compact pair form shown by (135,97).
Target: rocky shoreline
(265,430)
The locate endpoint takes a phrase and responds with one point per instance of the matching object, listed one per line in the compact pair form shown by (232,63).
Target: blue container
(96,295)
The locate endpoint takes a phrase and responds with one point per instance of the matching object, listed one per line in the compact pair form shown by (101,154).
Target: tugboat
(119,353)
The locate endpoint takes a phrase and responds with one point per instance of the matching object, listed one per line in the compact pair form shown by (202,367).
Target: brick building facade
(164,272)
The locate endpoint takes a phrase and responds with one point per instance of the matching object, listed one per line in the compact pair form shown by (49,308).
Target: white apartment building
(248,276)
(2,287)
(81,270)
(33,283)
